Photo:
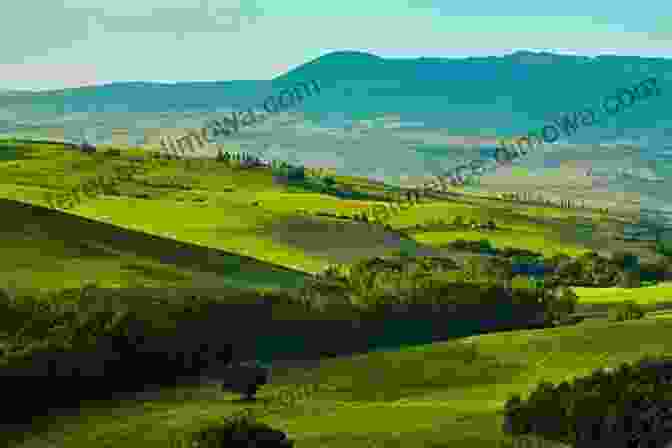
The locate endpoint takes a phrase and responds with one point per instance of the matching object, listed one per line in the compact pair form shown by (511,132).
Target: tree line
(625,407)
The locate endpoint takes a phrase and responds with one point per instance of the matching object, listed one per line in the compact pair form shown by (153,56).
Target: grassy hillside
(201,203)
(661,292)
(51,250)
(185,224)
(441,395)
(235,211)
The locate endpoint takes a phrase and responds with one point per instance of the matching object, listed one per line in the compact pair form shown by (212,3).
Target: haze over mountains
(380,117)
(527,88)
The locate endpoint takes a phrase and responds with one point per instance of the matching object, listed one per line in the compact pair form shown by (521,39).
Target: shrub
(459,244)
(628,310)
(242,431)
(485,246)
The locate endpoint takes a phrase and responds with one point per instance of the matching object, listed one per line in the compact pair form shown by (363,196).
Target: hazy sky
(50,44)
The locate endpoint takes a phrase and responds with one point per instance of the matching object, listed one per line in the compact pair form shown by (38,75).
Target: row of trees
(511,266)
(243,159)
(540,199)
(422,280)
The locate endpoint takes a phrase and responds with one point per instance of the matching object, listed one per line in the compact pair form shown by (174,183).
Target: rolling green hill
(233,212)
(440,395)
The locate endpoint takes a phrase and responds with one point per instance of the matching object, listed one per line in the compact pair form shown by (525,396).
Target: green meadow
(181,224)
(661,292)
(238,212)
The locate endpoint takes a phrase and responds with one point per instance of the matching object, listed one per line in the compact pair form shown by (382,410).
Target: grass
(54,250)
(218,211)
(661,292)
(444,394)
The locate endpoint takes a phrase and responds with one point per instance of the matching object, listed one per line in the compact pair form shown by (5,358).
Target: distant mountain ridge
(497,95)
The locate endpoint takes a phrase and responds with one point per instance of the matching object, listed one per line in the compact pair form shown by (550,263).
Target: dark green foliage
(590,270)
(8,152)
(606,409)
(293,174)
(59,346)
(562,305)
(624,259)
(485,246)
(510,252)
(86,344)
(460,244)
(243,431)
(113,152)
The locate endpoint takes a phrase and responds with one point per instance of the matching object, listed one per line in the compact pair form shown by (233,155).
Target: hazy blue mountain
(510,94)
